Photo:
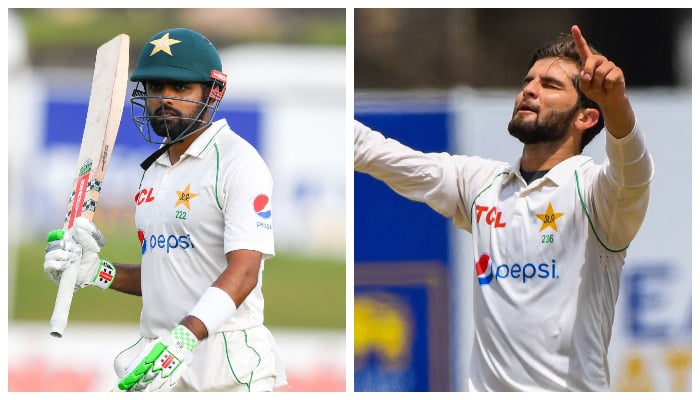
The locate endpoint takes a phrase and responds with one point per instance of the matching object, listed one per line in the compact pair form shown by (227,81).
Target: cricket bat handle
(64,298)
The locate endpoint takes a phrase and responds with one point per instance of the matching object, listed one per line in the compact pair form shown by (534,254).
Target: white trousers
(235,361)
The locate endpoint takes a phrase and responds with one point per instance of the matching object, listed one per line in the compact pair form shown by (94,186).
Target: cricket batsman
(204,224)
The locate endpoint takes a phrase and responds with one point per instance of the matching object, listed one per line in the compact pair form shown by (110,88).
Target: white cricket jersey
(548,255)
(215,199)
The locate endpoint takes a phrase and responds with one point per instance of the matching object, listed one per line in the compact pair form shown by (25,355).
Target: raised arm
(604,83)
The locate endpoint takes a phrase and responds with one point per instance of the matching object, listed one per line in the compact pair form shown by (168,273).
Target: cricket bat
(104,114)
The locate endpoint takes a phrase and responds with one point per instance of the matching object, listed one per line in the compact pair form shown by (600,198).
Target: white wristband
(214,308)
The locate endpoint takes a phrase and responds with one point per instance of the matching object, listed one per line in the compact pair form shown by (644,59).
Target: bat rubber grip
(64,297)
(56,234)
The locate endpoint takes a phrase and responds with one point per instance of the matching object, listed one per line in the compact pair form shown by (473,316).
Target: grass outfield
(300,291)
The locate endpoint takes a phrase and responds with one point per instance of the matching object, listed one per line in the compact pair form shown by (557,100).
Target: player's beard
(177,125)
(548,128)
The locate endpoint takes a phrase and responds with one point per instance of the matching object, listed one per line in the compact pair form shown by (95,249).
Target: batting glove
(161,363)
(82,243)
(61,252)
(93,270)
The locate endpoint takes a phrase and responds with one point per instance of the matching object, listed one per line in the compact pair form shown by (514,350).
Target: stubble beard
(544,129)
(173,127)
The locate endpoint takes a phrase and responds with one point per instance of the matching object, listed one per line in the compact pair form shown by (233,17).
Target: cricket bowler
(550,232)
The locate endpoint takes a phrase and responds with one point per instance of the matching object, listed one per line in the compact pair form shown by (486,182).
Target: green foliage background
(300,291)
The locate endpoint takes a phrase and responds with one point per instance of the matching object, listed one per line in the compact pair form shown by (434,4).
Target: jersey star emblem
(163,44)
(184,197)
(549,218)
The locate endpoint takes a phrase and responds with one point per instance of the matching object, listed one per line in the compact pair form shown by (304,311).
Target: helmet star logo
(549,218)
(184,197)
(163,44)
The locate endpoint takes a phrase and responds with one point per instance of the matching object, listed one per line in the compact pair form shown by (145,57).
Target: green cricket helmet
(176,55)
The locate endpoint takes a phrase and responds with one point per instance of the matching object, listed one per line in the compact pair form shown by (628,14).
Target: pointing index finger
(581,45)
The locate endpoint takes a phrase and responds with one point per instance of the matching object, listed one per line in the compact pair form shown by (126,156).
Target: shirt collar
(201,145)
(559,174)
(564,171)
(205,141)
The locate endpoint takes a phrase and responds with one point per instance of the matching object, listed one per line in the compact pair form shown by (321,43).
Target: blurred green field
(300,291)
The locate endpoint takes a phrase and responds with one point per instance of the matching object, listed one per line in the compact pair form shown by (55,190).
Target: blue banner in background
(389,227)
(401,267)
(65,123)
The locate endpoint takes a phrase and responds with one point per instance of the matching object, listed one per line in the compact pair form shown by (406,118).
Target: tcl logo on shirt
(492,216)
(144,196)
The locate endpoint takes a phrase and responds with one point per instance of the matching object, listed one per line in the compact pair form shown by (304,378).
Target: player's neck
(545,156)
(178,149)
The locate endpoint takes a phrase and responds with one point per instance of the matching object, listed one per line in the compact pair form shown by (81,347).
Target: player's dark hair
(565,47)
